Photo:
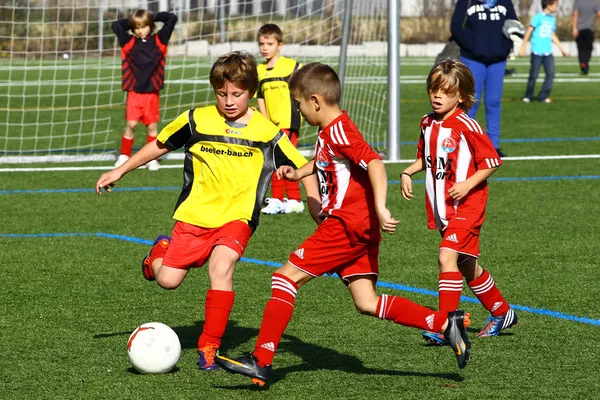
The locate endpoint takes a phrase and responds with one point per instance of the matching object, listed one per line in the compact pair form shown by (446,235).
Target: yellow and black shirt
(228,166)
(273,88)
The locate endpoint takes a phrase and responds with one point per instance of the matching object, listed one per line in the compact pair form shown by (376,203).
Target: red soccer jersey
(453,150)
(341,158)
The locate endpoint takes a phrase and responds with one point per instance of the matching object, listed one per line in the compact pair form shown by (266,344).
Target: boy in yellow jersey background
(276,103)
(231,152)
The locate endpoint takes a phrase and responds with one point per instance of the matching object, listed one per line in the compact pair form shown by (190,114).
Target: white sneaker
(275,206)
(293,206)
(526,100)
(153,165)
(121,160)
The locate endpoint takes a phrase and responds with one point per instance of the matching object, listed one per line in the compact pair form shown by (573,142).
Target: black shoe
(456,334)
(510,71)
(501,154)
(246,365)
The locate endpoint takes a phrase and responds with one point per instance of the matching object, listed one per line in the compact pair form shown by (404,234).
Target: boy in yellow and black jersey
(277,104)
(231,152)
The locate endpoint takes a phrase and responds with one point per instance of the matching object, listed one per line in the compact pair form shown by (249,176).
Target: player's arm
(459,190)
(291,174)
(575,31)
(378,179)
(150,151)
(558,44)
(406,177)
(526,40)
(121,29)
(262,106)
(313,197)
(460,32)
(169,20)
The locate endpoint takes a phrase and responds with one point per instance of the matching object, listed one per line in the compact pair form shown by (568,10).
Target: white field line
(306,153)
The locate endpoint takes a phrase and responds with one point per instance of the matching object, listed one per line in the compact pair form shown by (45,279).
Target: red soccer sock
(150,139)
(277,187)
(405,312)
(216,315)
(276,317)
(293,190)
(488,294)
(126,146)
(450,289)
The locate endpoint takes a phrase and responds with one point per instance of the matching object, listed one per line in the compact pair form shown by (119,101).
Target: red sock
(216,315)
(293,190)
(126,146)
(450,289)
(276,317)
(488,294)
(277,187)
(150,139)
(404,312)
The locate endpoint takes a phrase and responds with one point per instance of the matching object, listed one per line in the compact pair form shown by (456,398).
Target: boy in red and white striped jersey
(353,186)
(458,158)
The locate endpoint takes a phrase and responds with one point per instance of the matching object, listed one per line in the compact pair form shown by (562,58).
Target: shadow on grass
(313,357)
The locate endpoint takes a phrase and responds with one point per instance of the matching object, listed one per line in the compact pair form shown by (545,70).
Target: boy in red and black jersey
(143,55)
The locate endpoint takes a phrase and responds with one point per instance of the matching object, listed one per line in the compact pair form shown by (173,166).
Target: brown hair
(317,78)
(451,77)
(141,19)
(546,3)
(237,67)
(270,30)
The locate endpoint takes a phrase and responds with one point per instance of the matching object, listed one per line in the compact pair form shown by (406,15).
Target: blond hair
(317,78)
(237,67)
(453,77)
(141,19)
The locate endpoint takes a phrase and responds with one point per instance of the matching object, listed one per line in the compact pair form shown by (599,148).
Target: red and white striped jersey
(341,158)
(453,150)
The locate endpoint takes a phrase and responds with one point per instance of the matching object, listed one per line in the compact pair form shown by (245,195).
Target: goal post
(60,90)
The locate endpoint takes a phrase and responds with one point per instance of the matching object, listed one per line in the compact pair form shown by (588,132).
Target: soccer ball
(153,348)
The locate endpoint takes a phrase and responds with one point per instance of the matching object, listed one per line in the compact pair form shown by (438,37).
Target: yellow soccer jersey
(228,166)
(273,88)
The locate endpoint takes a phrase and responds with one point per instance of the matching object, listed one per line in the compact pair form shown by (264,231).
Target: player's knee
(366,306)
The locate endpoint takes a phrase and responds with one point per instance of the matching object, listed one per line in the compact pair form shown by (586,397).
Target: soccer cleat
(275,206)
(456,335)
(207,354)
(158,250)
(293,206)
(121,160)
(494,325)
(434,338)
(153,165)
(246,365)
(526,100)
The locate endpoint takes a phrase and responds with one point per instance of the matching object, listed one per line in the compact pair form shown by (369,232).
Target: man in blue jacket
(477,27)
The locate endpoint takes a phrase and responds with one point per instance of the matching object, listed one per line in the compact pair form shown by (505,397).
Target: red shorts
(462,241)
(329,250)
(191,245)
(143,107)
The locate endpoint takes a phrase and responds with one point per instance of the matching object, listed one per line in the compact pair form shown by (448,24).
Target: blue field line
(390,182)
(388,285)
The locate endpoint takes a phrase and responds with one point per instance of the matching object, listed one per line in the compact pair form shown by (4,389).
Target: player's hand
(287,172)
(459,190)
(107,181)
(565,53)
(386,221)
(522,51)
(406,186)
(575,32)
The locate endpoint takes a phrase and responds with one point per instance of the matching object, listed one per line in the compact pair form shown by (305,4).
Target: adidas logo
(429,320)
(496,306)
(452,238)
(300,253)
(268,346)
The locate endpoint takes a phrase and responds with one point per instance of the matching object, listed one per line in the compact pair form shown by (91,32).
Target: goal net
(60,86)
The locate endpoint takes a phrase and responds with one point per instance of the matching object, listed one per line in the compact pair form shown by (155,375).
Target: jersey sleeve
(421,145)
(486,155)
(121,28)
(169,20)
(177,133)
(285,153)
(350,144)
(535,21)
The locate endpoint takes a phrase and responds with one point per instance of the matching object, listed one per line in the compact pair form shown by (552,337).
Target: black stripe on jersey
(295,120)
(179,139)
(188,179)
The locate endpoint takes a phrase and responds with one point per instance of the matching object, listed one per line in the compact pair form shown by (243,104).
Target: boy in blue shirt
(542,32)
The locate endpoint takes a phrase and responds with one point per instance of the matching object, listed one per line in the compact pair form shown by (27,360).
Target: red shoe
(158,250)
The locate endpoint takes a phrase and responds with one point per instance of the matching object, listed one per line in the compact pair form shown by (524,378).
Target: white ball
(65,56)
(153,348)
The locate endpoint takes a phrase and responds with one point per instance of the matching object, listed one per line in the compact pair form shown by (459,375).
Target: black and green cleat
(246,365)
